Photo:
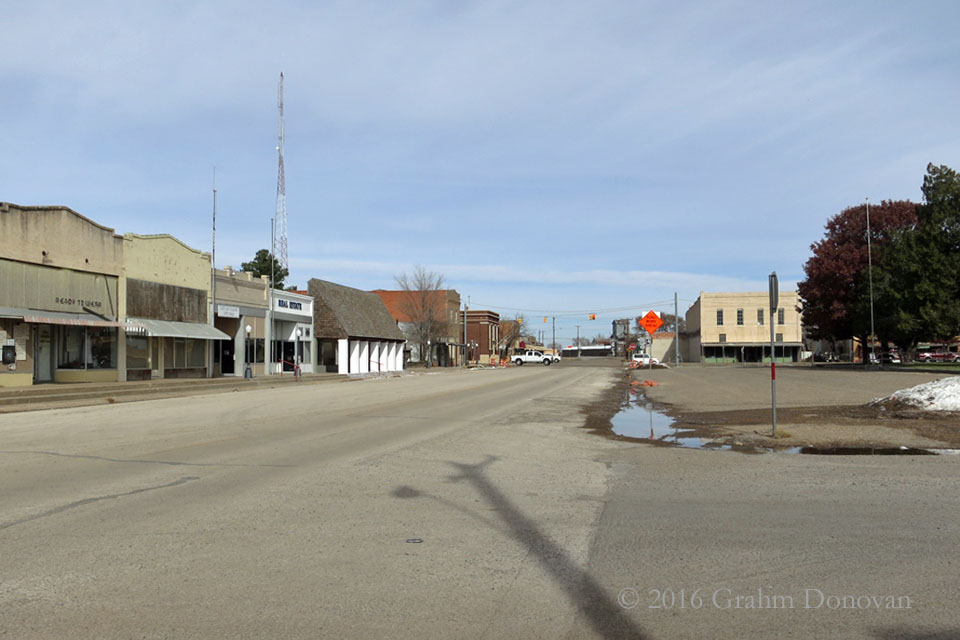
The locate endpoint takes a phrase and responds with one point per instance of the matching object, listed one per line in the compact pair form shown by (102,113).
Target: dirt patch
(889,425)
(836,426)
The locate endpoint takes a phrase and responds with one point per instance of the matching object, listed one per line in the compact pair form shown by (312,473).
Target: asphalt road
(448,505)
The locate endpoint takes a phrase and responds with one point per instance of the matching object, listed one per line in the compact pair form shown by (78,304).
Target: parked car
(555,357)
(890,357)
(645,360)
(936,356)
(531,356)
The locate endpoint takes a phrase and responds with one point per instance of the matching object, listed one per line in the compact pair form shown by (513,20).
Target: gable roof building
(354,330)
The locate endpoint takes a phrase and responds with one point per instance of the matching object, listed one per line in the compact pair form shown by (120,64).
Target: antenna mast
(281,216)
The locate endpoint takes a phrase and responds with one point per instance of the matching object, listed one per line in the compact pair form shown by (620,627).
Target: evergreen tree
(920,289)
(261,266)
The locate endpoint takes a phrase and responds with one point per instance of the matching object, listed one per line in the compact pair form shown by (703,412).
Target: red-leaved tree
(836,280)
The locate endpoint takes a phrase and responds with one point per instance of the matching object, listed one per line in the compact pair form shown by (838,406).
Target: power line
(562,312)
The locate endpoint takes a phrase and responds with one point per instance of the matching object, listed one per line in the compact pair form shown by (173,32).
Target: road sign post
(774,284)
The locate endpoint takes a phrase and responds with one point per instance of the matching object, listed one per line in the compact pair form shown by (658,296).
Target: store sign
(228,311)
(52,289)
(290,304)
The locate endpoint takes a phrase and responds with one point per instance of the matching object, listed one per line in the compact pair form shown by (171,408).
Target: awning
(55,317)
(168,329)
(765,345)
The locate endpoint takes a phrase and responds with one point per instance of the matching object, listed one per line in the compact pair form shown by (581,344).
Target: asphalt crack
(86,501)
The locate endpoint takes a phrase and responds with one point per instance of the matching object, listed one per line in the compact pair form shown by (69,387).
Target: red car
(937,356)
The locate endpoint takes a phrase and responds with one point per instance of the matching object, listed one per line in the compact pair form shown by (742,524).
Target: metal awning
(168,329)
(750,344)
(55,317)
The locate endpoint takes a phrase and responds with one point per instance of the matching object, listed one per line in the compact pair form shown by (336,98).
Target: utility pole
(578,341)
(626,340)
(213,274)
(269,345)
(873,348)
(465,307)
(556,351)
(676,332)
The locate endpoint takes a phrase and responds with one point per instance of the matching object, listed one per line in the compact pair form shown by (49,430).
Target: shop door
(43,354)
(288,355)
(226,357)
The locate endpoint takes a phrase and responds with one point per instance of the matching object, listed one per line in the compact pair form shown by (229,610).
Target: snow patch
(939,395)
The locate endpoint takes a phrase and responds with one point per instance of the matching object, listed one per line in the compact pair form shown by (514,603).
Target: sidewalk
(58,396)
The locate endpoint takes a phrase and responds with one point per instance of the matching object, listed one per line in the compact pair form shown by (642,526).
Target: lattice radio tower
(280,249)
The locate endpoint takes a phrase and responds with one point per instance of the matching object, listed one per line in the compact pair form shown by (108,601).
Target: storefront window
(138,352)
(72,343)
(103,348)
(87,348)
(254,351)
(196,356)
(168,362)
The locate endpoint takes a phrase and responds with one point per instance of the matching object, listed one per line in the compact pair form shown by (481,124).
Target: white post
(354,356)
(364,357)
(343,356)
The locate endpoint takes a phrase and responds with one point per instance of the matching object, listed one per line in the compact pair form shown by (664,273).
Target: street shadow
(592,602)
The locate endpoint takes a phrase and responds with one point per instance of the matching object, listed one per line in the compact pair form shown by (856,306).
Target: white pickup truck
(531,356)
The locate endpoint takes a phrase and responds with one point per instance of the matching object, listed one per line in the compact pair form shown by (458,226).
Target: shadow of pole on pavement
(606,617)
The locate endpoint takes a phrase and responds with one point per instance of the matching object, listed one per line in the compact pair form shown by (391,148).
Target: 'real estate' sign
(289,304)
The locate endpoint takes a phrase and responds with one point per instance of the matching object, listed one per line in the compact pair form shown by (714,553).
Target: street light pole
(873,348)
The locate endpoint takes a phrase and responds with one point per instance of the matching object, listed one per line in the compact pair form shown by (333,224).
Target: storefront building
(59,305)
(483,335)
(291,332)
(241,303)
(166,289)
(735,328)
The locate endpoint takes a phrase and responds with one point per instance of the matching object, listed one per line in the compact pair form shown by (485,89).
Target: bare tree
(510,334)
(424,305)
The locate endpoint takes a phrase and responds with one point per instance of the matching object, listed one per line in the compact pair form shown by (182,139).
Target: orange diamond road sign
(651,322)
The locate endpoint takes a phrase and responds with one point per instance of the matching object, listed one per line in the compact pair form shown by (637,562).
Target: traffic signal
(593,316)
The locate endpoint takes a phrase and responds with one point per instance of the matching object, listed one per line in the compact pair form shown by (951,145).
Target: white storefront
(290,328)
(369,356)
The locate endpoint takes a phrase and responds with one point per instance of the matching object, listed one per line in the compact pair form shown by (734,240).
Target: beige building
(735,327)
(60,316)
(79,303)
(241,301)
(165,298)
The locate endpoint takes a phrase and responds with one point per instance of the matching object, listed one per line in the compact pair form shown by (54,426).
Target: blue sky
(548,158)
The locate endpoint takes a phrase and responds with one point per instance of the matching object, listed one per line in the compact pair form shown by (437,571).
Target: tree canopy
(920,270)
(260,266)
(424,304)
(834,293)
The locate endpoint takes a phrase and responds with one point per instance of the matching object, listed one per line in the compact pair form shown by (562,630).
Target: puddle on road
(641,421)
